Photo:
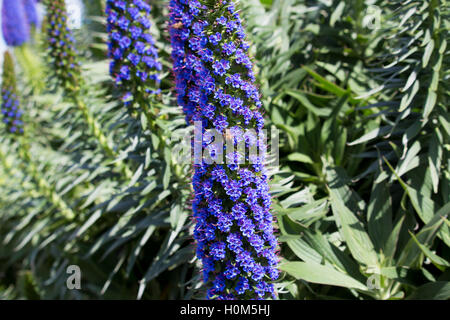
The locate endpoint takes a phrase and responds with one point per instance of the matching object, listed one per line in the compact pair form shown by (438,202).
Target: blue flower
(242,286)
(135,32)
(124,42)
(221,67)
(123,23)
(124,73)
(231,271)
(229,48)
(217,250)
(134,58)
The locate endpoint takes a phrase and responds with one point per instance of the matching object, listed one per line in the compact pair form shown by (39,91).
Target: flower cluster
(61,46)
(134,66)
(16,30)
(12,115)
(31,12)
(215,86)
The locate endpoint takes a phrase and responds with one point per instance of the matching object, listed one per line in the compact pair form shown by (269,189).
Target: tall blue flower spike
(134,67)
(61,50)
(31,12)
(215,86)
(15,28)
(12,115)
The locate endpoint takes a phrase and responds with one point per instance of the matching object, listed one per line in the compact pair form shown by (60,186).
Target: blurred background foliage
(359,91)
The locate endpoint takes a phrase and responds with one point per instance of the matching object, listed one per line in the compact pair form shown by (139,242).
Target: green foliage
(361,195)
(363,201)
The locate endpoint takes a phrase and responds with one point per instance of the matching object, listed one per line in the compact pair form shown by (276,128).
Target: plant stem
(96,131)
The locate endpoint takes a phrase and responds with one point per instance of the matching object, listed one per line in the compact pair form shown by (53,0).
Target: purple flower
(134,58)
(123,23)
(233,190)
(220,123)
(224,222)
(125,73)
(222,20)
(135,32)
(231,271)
(124,43)
(229,48)
(242,285)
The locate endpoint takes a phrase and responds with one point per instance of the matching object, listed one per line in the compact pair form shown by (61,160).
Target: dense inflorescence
(215,86)
(12,115)
(61,46)
(31,12)
(16,30)
(134,66)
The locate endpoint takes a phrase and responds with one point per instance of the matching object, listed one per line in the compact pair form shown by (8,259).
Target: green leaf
(408,98)
(138,247)
(403,275)
(427,54)
(326,84)
(410,161)
(423,205)
(304,101)
(392,242)
(438,261)
(429,103)
(352,231)
(136,175)
(435,158)
(300,157)
(309,211)
(439,290)
(339,181)
(337,13)
(303,251)
(375,133)
(317,273)
(167,170)
(379,214)
(411,253)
